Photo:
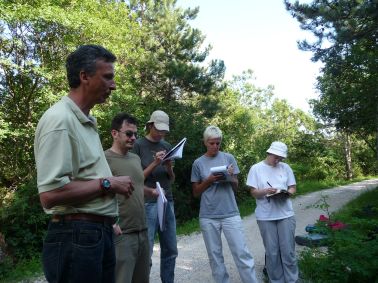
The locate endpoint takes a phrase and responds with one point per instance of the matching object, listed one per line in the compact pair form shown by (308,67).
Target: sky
(262,36)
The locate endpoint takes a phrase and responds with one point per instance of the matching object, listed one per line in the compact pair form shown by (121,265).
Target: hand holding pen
(158,156)
(270,190)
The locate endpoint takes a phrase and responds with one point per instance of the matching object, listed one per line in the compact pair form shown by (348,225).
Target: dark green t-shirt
(132,217)
(146,150)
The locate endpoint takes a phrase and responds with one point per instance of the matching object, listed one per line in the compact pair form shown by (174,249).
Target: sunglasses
(129,133)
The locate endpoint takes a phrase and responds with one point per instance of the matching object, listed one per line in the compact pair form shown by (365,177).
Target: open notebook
(175,152)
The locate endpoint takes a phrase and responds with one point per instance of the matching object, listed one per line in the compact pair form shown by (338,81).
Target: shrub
(352,253)
(351,257)
(23,223)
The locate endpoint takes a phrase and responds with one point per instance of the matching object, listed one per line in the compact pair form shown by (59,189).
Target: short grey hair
(212,132)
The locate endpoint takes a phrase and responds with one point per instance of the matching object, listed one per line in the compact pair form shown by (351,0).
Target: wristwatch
(105,185)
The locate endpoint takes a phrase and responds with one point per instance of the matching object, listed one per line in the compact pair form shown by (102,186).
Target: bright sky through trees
(262,36)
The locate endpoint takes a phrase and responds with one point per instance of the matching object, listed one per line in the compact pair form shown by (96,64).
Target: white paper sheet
(161,206)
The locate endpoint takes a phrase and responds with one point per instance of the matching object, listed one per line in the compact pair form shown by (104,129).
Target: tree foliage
(347,44)
(35,38)
(171,66)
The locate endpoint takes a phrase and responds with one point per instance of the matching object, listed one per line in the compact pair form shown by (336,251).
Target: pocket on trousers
(88,238)
(118,239)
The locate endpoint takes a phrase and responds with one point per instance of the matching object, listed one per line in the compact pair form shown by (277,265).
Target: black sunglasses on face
(129,133)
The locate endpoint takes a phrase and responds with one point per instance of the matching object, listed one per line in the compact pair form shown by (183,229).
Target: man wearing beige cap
(151,150)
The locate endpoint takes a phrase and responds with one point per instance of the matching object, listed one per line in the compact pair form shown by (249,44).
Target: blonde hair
(212,132)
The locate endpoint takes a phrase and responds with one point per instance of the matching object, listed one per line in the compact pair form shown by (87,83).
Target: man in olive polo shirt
(131,242)
(75,183)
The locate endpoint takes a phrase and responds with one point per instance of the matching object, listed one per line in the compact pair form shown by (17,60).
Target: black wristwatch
(105,185)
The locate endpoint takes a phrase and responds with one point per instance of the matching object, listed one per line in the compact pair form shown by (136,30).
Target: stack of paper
(161,206)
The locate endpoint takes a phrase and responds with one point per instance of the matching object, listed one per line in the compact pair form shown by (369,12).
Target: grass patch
(247,207)
(308,186)
(365,206)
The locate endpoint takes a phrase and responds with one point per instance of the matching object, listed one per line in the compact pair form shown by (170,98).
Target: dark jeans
(79,251)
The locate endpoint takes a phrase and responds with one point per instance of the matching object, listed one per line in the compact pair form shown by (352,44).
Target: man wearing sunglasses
(131,241)
(151,150)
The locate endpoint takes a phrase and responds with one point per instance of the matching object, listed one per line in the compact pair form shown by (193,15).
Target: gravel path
(192,264)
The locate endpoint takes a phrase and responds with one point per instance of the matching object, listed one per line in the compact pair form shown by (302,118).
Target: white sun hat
(278,148)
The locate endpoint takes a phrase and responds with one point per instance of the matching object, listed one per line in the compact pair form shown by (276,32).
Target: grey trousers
(233,231)
(279,242)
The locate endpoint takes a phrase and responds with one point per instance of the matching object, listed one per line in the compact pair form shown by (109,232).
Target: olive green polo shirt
(132,217)
(67,147)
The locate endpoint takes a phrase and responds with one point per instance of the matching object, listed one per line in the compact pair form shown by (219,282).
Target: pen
(269,186)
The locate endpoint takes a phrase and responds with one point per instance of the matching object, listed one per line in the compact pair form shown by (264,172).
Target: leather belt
(83,217)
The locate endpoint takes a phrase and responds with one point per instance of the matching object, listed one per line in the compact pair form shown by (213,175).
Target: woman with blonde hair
(219,211)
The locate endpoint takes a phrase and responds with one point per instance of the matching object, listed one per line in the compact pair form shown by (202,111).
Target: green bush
(352,253)
(23,223)
(351,257)
(24,271)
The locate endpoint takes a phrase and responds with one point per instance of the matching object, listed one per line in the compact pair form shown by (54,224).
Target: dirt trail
(192,263)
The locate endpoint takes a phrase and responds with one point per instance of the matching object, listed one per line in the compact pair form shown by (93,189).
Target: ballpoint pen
(269,186)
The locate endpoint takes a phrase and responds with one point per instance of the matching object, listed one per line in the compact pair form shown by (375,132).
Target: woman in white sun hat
(275,214)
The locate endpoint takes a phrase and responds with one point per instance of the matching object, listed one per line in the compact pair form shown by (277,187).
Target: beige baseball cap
(160,120)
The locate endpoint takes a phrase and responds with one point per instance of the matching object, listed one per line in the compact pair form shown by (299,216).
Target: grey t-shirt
(146,150)
(217,201)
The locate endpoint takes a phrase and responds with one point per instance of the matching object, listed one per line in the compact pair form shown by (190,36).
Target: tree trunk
(348,156)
